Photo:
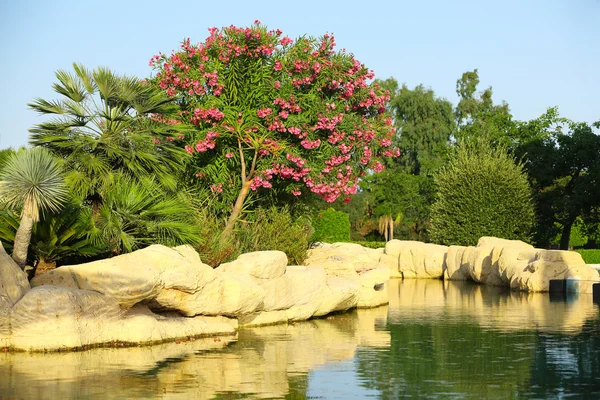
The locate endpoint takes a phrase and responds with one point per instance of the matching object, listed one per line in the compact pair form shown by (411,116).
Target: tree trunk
(391,224)
(237,209)
(566,235)
(44,266)
(22,239)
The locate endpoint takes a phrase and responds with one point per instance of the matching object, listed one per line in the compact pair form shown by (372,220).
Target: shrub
(482,192)
(331,226)
(371,244)
(591,256)
(212,249)
(266,229)
(275,229)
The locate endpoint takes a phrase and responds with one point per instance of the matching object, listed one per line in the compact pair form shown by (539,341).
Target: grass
(590,256)
(371,245)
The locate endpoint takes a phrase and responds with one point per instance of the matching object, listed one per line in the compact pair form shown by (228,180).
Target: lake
(435,340)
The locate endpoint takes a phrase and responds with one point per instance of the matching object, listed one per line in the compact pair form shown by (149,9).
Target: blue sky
(534,53)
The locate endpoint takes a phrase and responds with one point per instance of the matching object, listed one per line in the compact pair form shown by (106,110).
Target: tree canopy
(268,109)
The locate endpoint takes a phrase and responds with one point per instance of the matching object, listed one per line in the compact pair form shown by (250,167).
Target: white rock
(373,288)
(392,263)
(339,295)
(455,269)
(258,264)
(52,318)
(13,286)
(134,277)
(227,294)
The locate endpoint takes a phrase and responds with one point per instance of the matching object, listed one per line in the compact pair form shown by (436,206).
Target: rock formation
(494,261)
(158,294)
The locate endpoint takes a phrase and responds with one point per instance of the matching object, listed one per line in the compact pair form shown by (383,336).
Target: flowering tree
(268,109)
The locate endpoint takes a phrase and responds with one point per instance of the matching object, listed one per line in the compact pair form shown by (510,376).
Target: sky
(534,53)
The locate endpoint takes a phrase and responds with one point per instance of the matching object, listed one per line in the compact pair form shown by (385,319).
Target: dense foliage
(331,226)
(590,256)
(265,229)
(482,192)
(272,111)
(100,127)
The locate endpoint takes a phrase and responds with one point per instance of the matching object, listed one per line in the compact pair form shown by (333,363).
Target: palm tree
(57,238)
(105,123)
(135,214)
(31,180)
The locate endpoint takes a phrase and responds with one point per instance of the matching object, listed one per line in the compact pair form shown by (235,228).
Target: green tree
(482,192)
(331,226)
(425,126)
(32,181)
(564,169)
(101,126)
(57,239)
(270,111)
(477,115)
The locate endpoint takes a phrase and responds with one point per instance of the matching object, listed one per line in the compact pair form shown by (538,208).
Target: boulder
(134,277)
(53,318)
(513,261)
(227,294)
(456,270)
(171,279)
(298,287)
(392,263)
(546,265)
(352,262)
(394,247)
(258,264)
(339,295)
(373,288)
(422,260)
(13,286)
(484,258)
(13,281)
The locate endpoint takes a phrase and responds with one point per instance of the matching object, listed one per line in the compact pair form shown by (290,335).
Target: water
(434,340)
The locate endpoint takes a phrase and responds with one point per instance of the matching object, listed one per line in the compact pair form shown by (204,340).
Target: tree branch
(242,161)
(253,166)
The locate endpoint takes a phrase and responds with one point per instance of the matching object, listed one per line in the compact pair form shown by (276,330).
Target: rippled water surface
(434,340)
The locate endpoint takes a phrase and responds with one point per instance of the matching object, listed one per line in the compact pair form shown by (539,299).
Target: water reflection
(435,339)
(488,306)
(263,362)
(461,340)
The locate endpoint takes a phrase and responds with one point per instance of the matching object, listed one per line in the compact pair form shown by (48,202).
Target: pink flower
(263,113)
(229,155)
(189,149)
(277,84)
(285,41)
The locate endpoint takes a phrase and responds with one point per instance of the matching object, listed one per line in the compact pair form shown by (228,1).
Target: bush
(590,256)
(371,244)
(266,229)
(275,229)
(331,226)
(482,192)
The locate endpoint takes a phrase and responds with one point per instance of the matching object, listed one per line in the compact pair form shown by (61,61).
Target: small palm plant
(137,213)
(104,124)
(31,180)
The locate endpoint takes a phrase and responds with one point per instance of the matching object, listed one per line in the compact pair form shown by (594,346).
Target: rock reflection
(489,306)
(264,362)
